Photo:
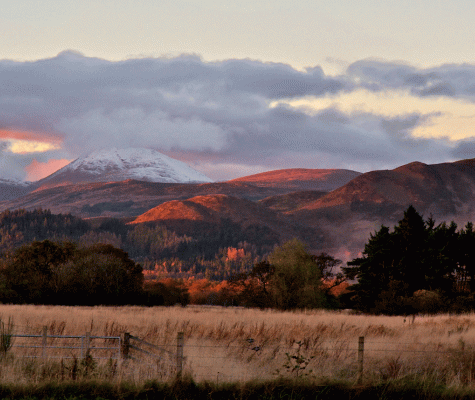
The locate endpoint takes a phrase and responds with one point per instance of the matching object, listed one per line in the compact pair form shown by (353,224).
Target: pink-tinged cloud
(38,170)
(31,136)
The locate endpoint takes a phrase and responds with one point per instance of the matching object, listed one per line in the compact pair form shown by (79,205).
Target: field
(235,344)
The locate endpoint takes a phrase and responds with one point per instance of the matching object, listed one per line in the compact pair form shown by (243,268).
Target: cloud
(464,149)
(38,170)
(13,165)
(450,80)
(29,136)
(28,146)
(227,113)
(289,138)
(140,129)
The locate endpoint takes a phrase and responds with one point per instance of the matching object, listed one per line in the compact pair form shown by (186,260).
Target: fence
(47,346)
(355,359)
(131,343)
(125,348)
(352,359)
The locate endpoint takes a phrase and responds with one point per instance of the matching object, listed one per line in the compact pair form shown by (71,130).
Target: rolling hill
(131,197)
(216,210)
(350,213)
(298,179)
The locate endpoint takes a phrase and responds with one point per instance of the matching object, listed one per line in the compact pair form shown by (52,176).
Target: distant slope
(19,227)
(11,189)
(301,179)
(210,208)
(291,201)
(350,213)
(441,189)
(128,198)
(132,197)
(216,209)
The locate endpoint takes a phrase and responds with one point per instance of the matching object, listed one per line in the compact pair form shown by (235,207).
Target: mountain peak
(122,164)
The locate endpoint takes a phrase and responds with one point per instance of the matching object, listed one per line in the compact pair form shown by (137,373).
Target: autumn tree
(255,287)
(290,278)
(297,280)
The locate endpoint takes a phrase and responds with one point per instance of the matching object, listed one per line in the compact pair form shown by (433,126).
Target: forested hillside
(214,251)
(20,226)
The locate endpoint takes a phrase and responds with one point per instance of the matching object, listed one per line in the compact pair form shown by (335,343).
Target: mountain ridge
(339,218)
(302,178)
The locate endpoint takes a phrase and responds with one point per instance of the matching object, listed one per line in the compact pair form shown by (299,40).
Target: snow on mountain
(121,164)
(14,182)
(13,188)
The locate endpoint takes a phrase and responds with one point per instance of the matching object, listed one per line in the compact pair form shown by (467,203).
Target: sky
(237,88)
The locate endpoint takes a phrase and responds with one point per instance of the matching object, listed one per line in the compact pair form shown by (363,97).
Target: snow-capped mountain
(12,188)
(14,182)
(121,164)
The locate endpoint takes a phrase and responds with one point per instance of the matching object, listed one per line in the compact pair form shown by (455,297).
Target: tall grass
(236,344)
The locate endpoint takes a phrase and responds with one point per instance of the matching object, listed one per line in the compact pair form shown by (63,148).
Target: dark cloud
(399,130)
(213,113)
(13,165)
(329,139)
(464,149)
(452,80)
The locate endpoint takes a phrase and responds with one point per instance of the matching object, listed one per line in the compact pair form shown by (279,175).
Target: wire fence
(355,359)
(249,359)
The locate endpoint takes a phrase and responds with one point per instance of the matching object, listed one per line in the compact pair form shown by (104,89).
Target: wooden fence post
(44,341)
(180,342)
(125,345)
(87,340)
(360,358)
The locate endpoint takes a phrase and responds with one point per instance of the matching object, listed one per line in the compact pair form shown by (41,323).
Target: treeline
(62,273)
(419,266)
(416,267)
(289,278)
(20,227)
(180,253)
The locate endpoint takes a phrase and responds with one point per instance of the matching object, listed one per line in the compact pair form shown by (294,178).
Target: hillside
(298,179)
(440,189)
(291,201)
(11,189)
(348,214)
(131,197)
(218,210)
(128,198)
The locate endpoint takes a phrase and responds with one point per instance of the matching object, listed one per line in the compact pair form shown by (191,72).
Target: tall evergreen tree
(374,271)
(416,256)
(466,254)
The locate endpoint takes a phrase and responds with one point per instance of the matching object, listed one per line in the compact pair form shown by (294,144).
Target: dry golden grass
(240,344)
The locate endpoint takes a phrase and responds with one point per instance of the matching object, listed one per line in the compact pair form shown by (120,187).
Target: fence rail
(81,346)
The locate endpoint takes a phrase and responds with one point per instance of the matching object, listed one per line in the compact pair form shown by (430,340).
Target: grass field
(235,344)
